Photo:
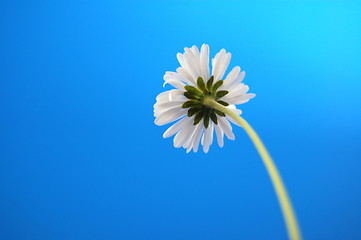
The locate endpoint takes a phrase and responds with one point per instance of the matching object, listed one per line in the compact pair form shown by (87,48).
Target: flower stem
(284,201)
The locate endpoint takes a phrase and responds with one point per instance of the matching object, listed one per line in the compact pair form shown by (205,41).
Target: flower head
(194,86)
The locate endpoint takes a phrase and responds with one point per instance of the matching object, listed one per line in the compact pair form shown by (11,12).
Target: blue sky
(80,156)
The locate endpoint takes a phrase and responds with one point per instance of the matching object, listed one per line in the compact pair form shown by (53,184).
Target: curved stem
(284,201)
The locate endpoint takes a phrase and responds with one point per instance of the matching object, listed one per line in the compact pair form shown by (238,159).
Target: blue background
(80,156)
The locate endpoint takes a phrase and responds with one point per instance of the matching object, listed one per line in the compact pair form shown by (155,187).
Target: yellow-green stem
(284,201)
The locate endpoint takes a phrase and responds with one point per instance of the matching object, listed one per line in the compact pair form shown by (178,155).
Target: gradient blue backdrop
(80,156)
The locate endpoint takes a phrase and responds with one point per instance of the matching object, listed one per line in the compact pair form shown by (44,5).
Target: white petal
(181,60)
(187,75)
(182,136)
(208,138)
(240,89)
(251,95)
(232,75)
(204,61)
(188,149)
(226,127)
(189,144)
(240,99)
(171,94)
(158,111)
(174,82)
(237,80)
(219,133)
(220,64)
(170,116)
(167,104)
(162,95)
(176,127)
(197,130)
(197,137)
(236,111)
(178,76)
(165,111)
(189,140)
(216,62)
(193,57)
(191,62)
(233,121)
(187,65)
(224,66)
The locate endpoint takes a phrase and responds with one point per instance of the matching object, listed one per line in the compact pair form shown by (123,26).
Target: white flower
(193,83)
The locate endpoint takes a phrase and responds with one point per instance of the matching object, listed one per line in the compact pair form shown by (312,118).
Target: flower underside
(196,96)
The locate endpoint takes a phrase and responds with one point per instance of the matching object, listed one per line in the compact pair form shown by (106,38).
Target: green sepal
(219,113)
(221,93)
(223,103)
(190,103)
(214,117)
(189,95)
(193,111)
(206,120)
(198,117)
(193,90)
(210,83)
(217,85)
(201,85)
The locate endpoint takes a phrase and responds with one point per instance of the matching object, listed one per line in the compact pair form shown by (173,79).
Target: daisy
(203,102)
(187,103)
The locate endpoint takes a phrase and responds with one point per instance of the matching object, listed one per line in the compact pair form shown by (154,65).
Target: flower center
(196,96)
